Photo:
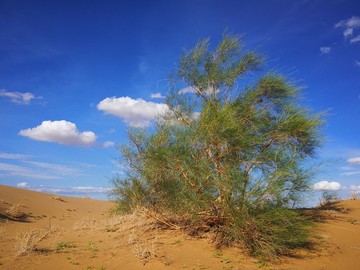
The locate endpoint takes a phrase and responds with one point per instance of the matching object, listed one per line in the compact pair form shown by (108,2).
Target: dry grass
(58,198)
(28,240)
(2,233)
(144,250)
(16,212)
(136,226)
(137,219)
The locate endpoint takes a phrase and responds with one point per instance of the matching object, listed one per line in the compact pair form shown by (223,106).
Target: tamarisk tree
(231,154)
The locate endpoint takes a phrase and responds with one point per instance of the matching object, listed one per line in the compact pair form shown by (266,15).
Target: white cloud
(62,132)
(354,160)
(70,190)
(325,50)
(30,169)
(348,32)
(57,169)
(108,144)
(357,63)
(351,173)
(349,25)
(326,185)
(354,188)
(157,95)
(13,156)
(190,89)
(355,39)
(353,22)
(18,97)
(10,170)
(22,184)
(135,112)
(187,90)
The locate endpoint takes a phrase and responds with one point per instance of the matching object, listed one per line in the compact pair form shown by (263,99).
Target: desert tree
(231,154)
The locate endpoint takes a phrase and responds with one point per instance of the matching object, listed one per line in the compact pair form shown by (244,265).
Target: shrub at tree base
(225,158)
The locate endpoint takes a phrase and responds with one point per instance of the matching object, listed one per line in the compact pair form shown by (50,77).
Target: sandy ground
(56,232)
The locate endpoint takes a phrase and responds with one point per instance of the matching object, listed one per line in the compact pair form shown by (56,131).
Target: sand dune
(44,231)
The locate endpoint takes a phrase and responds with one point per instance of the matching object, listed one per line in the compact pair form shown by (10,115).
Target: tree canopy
(231,155)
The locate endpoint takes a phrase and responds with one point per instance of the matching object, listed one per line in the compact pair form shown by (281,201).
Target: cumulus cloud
(22,184)
(62,132)
(354,160)
(108,144)
(135,112)
(325,50)
(326,185)
(157,95)
(348,27)
(18,97)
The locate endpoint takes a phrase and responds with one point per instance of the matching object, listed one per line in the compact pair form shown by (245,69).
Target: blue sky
(74,75)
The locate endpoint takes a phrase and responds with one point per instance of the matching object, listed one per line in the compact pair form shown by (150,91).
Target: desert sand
(45,231)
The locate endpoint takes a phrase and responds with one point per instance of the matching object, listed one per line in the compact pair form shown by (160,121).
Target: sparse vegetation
(28,240)
(354,221)
(230,158)
(144,250)
(2,233)
(329,201)
(3,219)
(111,229)
(16,211)
(58,198)
(218,253)
(93,249)
(60,246)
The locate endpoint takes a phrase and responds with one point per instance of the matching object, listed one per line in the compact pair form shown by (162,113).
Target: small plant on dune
(228,156)
(330,201)
(353,221)
(111,229)
(16,212)
(60,246)
(2,233)
(93,249)
(28,240)
(86,223)
(144,250)
(58,198)
(3,219)
(218,253)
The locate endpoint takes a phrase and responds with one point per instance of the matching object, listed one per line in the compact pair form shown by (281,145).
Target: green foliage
(330,200)
(60,246)
(226,159)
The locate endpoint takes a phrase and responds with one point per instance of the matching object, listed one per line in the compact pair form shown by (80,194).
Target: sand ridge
(57,232)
